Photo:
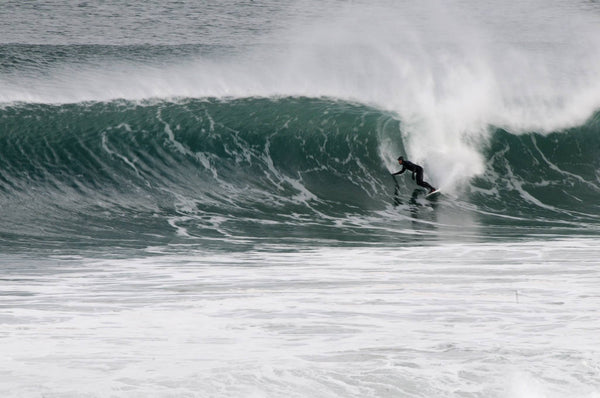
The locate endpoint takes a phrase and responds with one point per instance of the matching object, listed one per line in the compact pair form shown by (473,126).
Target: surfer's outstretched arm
(399,172)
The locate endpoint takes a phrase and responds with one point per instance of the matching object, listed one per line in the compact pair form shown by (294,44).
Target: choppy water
(195,199)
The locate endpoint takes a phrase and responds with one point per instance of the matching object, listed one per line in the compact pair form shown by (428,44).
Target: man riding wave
(416,171)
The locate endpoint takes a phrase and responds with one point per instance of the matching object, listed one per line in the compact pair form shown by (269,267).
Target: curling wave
(133,173)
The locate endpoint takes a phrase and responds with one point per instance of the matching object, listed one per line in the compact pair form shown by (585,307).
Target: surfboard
(434,193)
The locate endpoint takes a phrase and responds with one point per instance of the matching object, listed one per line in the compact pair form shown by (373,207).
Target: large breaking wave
(252,169)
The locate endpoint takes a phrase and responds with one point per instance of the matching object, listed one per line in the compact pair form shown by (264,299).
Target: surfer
(416,171)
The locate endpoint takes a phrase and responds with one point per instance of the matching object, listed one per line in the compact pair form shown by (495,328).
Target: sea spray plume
(451,71)
(385,58)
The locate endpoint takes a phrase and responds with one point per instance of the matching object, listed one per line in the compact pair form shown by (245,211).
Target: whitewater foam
(352,322)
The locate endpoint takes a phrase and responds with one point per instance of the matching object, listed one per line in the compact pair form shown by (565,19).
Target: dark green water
(239,173)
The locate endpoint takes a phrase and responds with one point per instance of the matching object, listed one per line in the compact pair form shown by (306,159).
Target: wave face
(265,170)
(535,175)
(249,123)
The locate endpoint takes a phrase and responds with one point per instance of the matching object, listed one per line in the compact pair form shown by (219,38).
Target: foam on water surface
(494,320)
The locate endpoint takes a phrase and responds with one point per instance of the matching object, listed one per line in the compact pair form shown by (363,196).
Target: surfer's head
(400,160)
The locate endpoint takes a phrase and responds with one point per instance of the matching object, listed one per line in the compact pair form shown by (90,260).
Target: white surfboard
(434,193)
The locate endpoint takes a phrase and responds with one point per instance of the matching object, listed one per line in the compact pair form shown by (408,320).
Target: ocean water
(196,200)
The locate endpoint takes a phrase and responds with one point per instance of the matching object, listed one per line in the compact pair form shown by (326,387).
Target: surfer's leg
(423,183)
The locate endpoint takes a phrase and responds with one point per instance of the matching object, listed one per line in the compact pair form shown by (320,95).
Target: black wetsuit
(417,171)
